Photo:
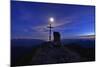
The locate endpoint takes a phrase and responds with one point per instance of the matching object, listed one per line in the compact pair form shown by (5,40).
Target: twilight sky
(29,20)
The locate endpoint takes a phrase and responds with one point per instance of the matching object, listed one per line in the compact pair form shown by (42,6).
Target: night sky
(29,20)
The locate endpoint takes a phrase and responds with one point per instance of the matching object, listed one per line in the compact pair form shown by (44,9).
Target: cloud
(25,30)
(60,24)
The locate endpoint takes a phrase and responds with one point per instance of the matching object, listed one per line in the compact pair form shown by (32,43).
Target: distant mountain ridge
(26,42)
(87,43)
(36,42)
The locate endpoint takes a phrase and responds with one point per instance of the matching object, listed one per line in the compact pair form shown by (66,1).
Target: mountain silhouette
(51,54)
(37,52)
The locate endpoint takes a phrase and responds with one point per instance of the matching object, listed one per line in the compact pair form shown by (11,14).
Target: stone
(57,38)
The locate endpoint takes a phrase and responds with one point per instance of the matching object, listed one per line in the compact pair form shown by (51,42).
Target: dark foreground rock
(51,54)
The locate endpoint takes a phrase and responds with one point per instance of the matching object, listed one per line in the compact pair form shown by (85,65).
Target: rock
(57,39)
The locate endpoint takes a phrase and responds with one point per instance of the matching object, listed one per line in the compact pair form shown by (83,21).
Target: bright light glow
(51,19)
(88,33)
